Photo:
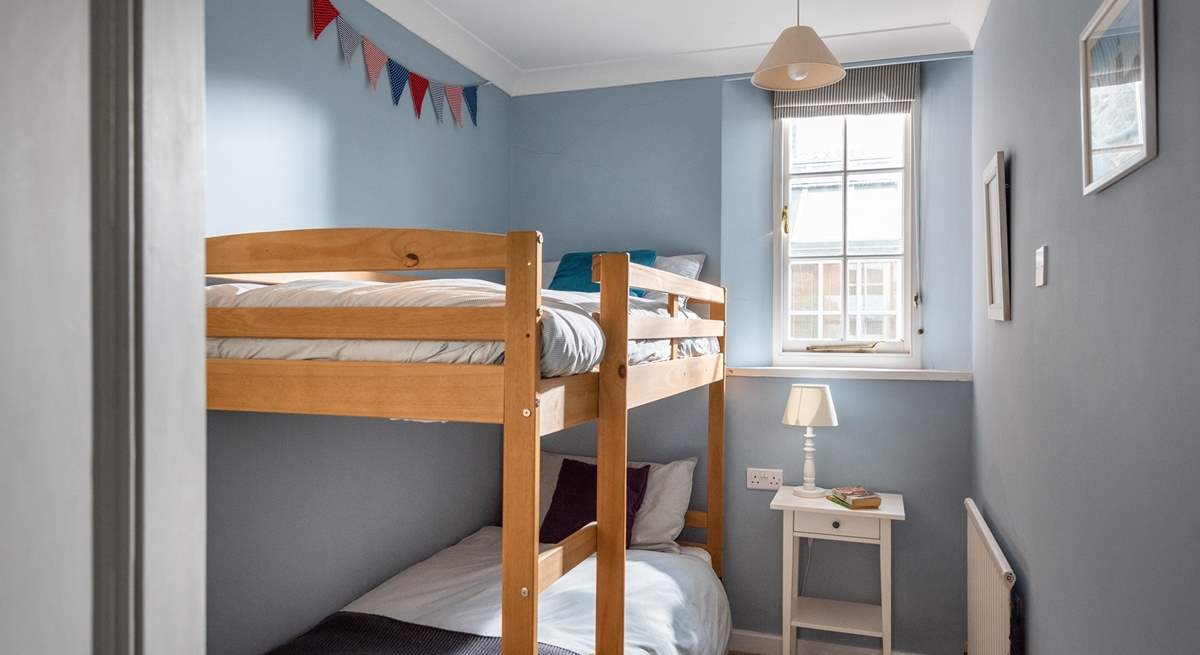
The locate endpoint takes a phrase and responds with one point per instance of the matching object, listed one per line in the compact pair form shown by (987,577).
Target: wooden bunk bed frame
(512,394)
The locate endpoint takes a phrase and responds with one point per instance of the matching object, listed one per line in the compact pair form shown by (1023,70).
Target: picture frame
(995,231)
(1118,92)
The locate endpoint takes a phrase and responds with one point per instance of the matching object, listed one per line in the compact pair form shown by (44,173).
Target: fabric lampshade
(798,61)
(810,405)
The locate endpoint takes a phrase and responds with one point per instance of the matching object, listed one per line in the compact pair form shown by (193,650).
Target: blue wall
(627,167)
(307,513)
(665,145)
(1086,400)
(297,138)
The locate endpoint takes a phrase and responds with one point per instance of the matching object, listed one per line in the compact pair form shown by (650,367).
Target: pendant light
(799,61)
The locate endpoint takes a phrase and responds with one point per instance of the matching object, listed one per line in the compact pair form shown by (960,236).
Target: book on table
(855,497)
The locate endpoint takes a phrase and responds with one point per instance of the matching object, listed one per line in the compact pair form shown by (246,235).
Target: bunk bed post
(522,371)
(611,454)
(715,524)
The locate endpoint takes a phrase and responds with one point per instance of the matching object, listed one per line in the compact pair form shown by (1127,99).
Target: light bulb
(797,72)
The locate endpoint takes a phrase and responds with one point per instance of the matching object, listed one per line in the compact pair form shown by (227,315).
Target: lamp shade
(798,61)
(810,405)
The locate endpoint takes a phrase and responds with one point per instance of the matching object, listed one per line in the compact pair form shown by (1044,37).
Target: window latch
(783,220)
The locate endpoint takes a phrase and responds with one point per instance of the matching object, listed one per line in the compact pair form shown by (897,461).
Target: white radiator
(989,589)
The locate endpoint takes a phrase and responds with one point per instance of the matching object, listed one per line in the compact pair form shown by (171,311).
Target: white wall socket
(764,478)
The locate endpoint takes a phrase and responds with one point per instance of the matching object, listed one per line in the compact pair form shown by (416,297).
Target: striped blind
(873,90)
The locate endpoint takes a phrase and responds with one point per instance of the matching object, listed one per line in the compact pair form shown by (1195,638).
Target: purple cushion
(574,502)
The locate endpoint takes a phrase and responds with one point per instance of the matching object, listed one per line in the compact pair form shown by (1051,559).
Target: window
(846,246)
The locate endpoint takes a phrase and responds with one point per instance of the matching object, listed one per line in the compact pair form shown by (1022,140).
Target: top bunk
(510,317)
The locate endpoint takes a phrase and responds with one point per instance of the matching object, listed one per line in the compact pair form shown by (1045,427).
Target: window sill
(846,373)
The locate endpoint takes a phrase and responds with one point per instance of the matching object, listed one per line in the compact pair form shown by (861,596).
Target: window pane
(831,287)
(804,286)
(831,326)
(875,214)
(875,141)
(874,301)
(815,214)
(816,144)
(804,327)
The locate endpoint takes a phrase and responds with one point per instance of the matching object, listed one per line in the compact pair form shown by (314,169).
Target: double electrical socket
(764,478)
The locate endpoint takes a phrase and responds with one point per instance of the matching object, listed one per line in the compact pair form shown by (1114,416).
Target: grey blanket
(354,633)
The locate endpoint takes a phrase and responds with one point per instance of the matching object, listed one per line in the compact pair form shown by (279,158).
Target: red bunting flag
(417,86)
(323,13)
(454,99)
(374,58)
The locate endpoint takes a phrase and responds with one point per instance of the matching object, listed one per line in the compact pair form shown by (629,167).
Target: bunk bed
(513,394)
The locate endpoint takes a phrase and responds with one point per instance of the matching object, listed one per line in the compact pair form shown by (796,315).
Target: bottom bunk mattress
(572,341)
(450,604)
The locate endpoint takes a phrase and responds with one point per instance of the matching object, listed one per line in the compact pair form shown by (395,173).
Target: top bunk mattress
(572,341)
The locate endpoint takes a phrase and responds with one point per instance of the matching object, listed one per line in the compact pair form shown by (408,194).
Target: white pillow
(660,518)
(686,265)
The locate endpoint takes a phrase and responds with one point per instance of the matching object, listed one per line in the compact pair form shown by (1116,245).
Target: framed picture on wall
(995,231)
(1117,92)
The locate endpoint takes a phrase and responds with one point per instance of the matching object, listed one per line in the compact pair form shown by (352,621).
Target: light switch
(1039,267)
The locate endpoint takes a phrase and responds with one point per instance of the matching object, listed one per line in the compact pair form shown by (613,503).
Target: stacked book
(855,497)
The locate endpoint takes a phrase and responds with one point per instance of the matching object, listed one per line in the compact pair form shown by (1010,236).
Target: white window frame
(906,356)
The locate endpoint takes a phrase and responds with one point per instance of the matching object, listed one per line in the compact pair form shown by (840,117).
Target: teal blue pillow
(575,270)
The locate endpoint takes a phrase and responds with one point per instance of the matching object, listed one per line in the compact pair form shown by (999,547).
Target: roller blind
(872,90)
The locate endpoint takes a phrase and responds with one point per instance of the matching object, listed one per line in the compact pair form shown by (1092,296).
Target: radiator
(989,589)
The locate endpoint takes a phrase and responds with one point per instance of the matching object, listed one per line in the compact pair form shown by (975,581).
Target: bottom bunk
(449,604)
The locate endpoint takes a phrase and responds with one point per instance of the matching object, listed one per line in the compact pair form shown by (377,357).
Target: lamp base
(815,492)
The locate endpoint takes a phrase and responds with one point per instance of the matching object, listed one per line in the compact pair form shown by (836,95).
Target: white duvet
(674,603)
(572,341)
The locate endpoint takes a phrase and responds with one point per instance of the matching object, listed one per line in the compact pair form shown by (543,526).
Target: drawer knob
(837,524)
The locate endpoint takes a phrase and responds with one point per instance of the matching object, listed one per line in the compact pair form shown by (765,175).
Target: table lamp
(810,406)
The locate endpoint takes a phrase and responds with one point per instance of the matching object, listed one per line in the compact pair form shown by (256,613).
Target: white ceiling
(542,46)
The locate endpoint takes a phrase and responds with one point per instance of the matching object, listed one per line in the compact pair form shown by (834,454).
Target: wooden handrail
(355,249)
(412,323)
(473,393)
(280,278)
(658,380)
(566,401)
(566,555)
(660,327)
(653,279)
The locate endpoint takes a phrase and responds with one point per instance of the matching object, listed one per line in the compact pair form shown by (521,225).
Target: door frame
(149,469)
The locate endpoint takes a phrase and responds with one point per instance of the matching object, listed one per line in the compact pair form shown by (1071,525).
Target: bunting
(373,59)
(399,76)
(470,97)
(454,99)
(348,38)
(417,86)
(437,93)
(323,13)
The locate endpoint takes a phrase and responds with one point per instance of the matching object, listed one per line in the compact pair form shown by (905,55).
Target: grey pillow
(660,518)
(548,271)
(688,266)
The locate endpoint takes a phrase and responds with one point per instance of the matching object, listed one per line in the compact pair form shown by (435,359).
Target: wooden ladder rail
(522,450)
(612,426)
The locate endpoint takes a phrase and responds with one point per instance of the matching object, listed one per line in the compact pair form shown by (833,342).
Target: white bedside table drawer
(864,527)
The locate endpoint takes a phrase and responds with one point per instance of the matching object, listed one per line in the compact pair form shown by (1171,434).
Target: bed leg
(715,528)
(522,370)
(611,453)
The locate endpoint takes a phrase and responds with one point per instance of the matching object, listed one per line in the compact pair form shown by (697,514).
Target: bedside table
(818,518)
